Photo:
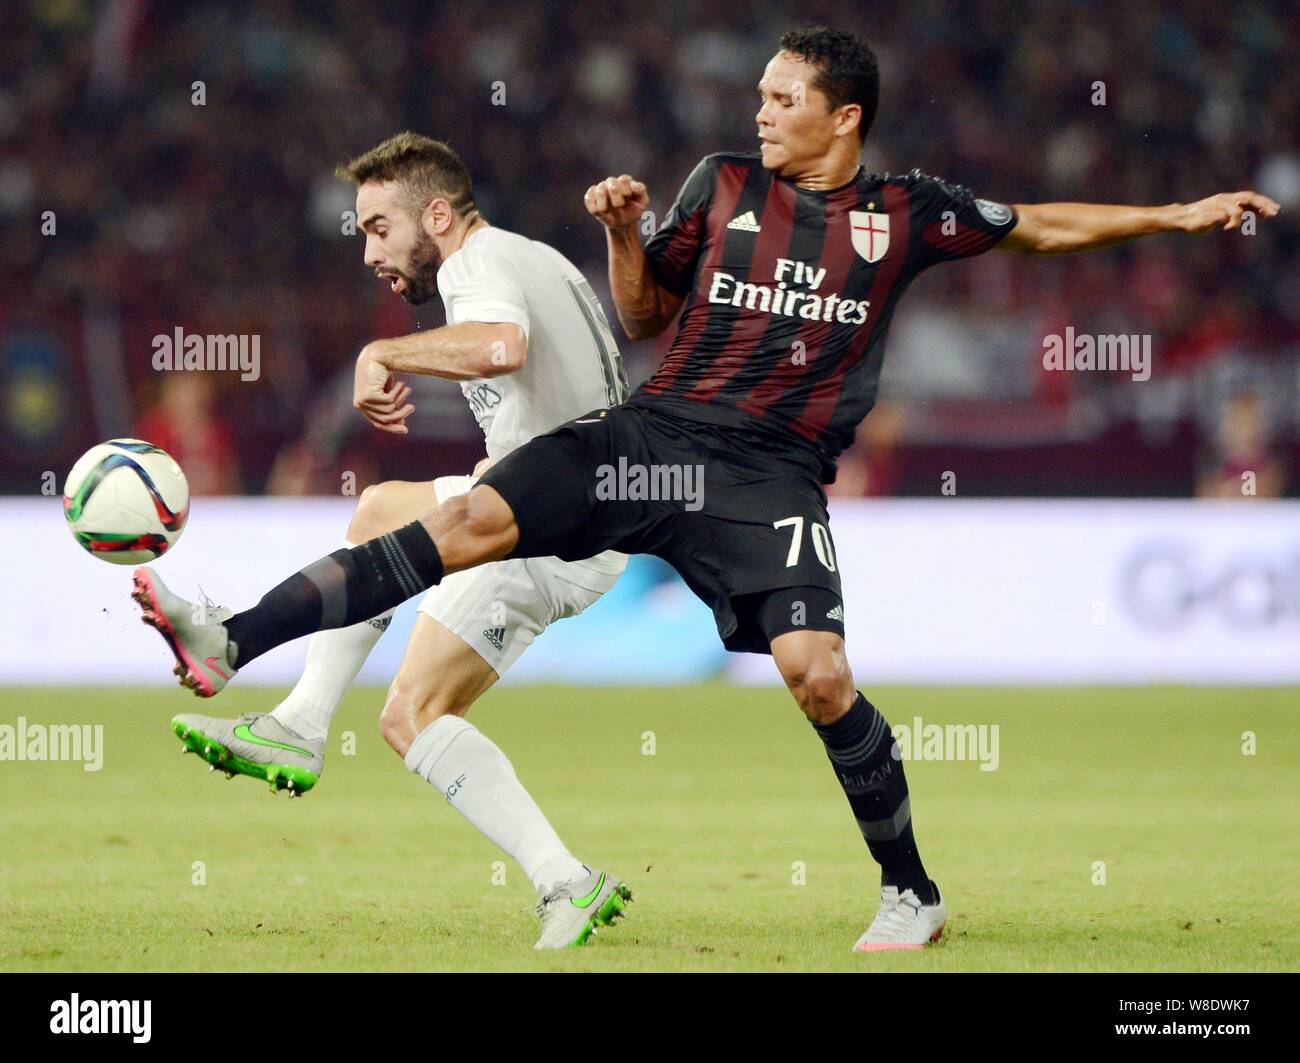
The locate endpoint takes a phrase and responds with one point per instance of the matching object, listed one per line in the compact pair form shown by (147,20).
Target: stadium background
(224,218)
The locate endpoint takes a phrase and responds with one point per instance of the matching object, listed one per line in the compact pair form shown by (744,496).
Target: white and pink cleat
(903,922)
(194,632)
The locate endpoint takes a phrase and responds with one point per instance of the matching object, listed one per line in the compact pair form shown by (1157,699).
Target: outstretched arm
(1060,228)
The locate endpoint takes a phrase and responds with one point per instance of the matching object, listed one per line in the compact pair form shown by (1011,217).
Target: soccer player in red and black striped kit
(785,266)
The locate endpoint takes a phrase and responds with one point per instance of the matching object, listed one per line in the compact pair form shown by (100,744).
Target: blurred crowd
(168,165)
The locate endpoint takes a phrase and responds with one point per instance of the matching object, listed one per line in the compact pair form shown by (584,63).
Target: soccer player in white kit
(528,342)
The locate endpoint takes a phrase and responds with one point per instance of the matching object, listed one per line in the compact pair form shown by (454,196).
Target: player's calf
(440,677)
(860,746)
(354,584)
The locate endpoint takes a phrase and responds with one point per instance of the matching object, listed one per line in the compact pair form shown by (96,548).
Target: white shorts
(498,609)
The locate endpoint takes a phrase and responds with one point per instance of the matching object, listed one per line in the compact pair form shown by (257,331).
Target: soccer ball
(126,501)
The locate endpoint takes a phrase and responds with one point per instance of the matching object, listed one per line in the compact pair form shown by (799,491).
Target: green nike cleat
(257,745)
(571,911)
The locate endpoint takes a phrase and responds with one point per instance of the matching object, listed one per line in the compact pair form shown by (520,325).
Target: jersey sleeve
(480,285)
(675,249)
(949,222)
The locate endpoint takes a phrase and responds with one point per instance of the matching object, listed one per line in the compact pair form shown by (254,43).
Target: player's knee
(821,684)
(390,722)
(374,513)
(821,693)
(410,708)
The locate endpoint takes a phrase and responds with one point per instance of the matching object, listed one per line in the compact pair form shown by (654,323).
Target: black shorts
(740,516)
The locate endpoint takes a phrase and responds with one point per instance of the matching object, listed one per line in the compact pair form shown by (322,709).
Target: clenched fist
(617,202)
(379,395)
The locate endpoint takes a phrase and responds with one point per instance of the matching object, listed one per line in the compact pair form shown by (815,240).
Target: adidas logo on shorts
(745,222)
(836,614)
(496,636)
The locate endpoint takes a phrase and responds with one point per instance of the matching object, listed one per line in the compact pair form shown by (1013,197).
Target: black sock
(860,746)
(345,588)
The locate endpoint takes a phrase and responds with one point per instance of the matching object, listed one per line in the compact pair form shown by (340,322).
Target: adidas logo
(745,222)
(496,636)
(836,614)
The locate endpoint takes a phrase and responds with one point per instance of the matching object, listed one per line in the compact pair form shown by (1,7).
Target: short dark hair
(425,168)
(846,68)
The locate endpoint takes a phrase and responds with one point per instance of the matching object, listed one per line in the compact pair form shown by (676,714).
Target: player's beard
(422,275)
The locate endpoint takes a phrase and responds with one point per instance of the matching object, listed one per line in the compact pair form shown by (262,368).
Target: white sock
(480,783)
(334,659)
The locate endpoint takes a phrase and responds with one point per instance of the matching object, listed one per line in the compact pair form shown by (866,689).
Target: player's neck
(455,239)
(833,170)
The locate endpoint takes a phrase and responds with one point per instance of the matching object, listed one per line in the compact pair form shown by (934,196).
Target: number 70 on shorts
(821,540)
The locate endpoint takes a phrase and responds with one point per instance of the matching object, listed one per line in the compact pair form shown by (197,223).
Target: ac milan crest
(870,233)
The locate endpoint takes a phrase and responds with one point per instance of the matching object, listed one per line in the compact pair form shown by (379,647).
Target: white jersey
(573,365)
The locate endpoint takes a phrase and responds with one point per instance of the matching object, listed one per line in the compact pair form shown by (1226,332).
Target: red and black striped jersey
(789,292)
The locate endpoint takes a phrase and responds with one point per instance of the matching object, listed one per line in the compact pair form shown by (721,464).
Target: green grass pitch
(373,871)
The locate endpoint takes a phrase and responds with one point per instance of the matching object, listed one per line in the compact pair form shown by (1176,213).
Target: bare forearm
(644,309)
(1059,228)
(458,352)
